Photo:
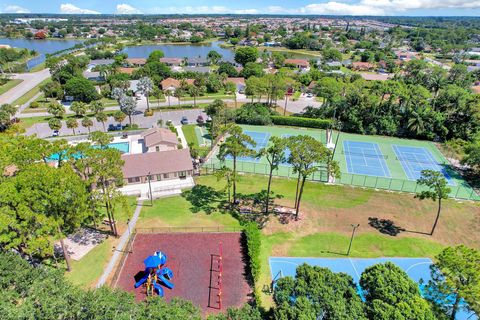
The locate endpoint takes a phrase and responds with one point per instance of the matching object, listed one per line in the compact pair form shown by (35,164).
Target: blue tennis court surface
(261,140)
(416,268)
(416,159)
(365,158)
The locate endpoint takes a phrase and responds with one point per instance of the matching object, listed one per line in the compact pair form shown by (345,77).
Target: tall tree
(101,117)
(97,107)
(72,124)
(237,144)
(437,190)
(7,111)
(391,294)
(119,116)
(213,57)
(87,123)
(245,55)
(80,108)
(306,156)
(275,155)
(56,109)
(455,277)
(227,174)
(128,105)
(145,86)
(317,293)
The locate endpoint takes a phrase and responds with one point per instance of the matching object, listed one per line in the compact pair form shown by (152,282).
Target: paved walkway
(121,245)
(30,80)
(182,136)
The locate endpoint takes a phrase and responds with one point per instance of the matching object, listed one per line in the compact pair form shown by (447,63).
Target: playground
(367,161)
(206,268)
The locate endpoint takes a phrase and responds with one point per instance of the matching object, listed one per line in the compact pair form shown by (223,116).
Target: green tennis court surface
(366,161)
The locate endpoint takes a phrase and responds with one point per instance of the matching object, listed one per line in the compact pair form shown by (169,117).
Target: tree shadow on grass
(385,226)
(203,198)
(388,227)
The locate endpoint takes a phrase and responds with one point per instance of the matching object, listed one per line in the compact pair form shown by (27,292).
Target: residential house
(159,139)
(137,62)
(197,69)
(93,75)
(172,61)
(172,84)
(126,70)
(158,166)
(301,64)
(239,83)
(197,62)
(362,66)
(376,76)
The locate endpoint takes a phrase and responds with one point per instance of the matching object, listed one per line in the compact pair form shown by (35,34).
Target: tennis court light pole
(150,189)
(354,226)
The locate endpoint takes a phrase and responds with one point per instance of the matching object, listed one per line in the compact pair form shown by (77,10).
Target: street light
(354,226)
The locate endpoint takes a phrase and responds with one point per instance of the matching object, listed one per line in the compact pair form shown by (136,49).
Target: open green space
(198,136)
(9,85)
(324,226)
(86,271)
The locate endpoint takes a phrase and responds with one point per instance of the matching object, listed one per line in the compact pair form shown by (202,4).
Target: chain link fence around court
(464,192)
(457,192)
(320,175)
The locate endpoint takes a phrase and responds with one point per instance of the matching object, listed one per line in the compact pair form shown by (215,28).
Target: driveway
(30,80)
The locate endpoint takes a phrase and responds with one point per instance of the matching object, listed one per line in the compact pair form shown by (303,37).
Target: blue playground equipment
(156,274)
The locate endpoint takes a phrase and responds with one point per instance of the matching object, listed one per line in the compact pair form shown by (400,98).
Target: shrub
(148,113)
(34,105)
(252,235)
(302,122)
(253,113)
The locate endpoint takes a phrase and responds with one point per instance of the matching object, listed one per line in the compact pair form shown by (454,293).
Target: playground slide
(159,289)
(166,282)
(143,279)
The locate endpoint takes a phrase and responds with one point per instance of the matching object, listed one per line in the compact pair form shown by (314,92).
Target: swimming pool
(123,147)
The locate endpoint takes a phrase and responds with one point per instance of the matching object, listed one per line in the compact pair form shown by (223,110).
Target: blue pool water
(123,147)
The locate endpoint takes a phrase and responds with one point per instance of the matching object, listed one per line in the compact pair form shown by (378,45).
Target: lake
(180,50)
(41,46)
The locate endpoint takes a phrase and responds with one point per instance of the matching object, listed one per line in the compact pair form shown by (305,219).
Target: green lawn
(192,137)
(38,67)
(219,95)
(30,94)
(9,85)
(176,212)
(87,271)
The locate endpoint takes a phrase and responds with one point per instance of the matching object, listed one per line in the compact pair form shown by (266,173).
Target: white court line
(354,269)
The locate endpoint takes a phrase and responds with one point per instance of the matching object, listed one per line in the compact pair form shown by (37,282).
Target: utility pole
(150,189)
(354,226)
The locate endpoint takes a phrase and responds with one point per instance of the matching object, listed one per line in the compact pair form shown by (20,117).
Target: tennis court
(416,159)
(365,158)
(261,141)
(416,268)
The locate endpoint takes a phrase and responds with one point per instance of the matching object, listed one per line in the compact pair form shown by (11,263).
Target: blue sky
(323,7)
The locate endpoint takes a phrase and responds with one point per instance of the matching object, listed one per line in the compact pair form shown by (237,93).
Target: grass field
(9,85)
(324,226)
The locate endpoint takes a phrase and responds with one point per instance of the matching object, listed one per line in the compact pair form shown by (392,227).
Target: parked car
(55,133)
(115,127)
(309,95)
(200,119)
(111,127)
(184,120)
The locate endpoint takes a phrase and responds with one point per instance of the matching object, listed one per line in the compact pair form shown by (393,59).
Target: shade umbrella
(152,261)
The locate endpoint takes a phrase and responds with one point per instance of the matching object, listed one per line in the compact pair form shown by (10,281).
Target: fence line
(123,257)
(461,192)
(188,229)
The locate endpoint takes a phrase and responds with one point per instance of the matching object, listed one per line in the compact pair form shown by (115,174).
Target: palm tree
(194,91)
(102,117)
(87,123)
(72,124)
(168,94)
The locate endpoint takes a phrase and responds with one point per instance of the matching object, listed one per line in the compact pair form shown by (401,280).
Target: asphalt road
(42,130)
(30,80)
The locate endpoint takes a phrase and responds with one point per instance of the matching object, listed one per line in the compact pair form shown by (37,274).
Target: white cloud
(246,11)
(15,9)
(69,8)
(124,8)
(333,7)
(191,10)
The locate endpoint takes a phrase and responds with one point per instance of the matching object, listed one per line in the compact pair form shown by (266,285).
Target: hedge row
(302,122)
(252,234)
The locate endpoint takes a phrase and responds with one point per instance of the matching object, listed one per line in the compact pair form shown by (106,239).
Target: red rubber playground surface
(190,257)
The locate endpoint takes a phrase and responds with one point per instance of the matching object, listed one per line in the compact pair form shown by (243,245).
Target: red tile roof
(297,62)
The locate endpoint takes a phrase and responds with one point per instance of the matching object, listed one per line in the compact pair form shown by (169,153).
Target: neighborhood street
(30,80)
